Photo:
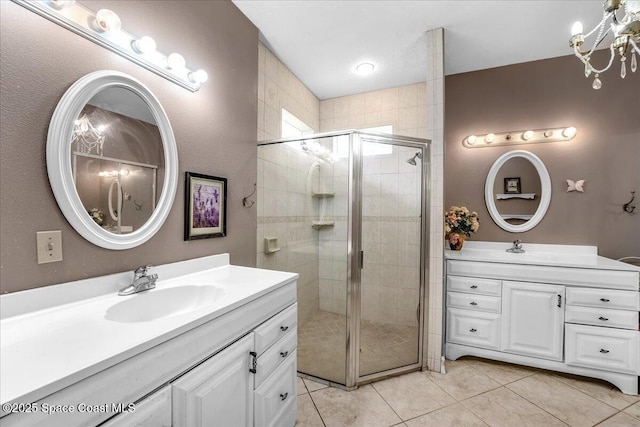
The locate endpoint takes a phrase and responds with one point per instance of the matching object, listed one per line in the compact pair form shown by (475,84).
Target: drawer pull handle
(473,330)
(284,396)
(604,300)
(604,319)
(559,300)
(602,350)
(284,328)
(474,286)
(473,303)
(254,362)
(284,353)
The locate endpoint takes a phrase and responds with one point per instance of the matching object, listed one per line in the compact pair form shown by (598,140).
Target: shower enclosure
(348,212)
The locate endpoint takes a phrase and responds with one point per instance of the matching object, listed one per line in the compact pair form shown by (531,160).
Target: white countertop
(45,350)
(538,254)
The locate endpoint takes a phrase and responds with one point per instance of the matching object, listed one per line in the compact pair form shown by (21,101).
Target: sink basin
(158,303)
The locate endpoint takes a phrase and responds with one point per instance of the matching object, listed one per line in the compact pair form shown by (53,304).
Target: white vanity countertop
(47,349)
(538,254)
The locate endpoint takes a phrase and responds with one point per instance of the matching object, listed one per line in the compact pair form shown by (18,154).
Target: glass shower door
(391,246)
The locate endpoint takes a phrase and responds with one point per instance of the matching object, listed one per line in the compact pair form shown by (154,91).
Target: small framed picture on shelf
(512,185)
(205,208)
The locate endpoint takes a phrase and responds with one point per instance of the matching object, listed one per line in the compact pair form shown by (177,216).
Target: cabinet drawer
(473,328)
(473,285)
(602,348)
(602,317)
(473,302)
(275,355)
(273,397)
(275,328)
(605,298)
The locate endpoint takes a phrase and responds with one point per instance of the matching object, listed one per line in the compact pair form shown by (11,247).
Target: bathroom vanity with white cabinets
(556,307)
(212,345)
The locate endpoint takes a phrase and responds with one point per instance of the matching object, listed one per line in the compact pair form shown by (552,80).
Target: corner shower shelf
(529,196)
(321,224)
(322,195)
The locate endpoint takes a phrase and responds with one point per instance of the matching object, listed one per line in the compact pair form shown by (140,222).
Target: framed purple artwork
(205,208)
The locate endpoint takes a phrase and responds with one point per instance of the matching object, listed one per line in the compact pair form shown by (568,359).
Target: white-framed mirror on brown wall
(517,191)
(112,160)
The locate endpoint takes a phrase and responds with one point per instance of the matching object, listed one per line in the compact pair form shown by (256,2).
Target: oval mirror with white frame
(112,160)
(519,182)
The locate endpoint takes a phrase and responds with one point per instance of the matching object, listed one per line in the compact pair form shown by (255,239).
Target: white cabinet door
(219,392)
(533,319)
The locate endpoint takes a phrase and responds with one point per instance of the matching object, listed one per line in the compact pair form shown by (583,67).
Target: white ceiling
(321,41)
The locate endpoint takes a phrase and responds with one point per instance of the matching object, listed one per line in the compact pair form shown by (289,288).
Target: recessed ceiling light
(365,68)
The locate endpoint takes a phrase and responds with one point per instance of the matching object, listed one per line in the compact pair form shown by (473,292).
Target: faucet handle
(142,271)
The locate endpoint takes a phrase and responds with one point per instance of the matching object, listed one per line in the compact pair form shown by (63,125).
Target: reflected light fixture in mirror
(520,137)
(104,28)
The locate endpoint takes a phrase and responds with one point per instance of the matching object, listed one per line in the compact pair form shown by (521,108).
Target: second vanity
(213,344)
(555,307)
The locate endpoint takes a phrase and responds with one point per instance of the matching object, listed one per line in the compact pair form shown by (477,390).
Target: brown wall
(215,131)
(605,152)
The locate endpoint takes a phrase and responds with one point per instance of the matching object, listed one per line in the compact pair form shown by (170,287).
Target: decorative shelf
(516,216)
(529,196)
(321,224)
(322,195)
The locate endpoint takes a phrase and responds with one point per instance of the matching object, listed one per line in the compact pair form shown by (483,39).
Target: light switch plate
(49,246)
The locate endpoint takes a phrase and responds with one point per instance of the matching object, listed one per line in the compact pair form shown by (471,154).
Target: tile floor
(474,392)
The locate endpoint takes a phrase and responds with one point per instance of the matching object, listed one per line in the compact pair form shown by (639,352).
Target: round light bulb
(199,76)
(548,133)
(569,132)
(107,21)
(175,61)
(576,28)
(62,4)
(489,138)
(144,44)
(527,135)
(471,139)
(365,68)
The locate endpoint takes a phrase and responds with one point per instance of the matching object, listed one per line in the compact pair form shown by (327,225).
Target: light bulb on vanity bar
(144,44)
(199,76)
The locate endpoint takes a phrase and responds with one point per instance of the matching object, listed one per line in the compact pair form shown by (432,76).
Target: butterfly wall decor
(575,186)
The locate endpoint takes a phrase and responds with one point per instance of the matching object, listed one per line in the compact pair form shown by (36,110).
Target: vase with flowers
(459,224)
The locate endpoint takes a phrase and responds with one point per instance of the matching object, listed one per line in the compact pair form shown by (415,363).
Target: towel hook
(628,207)
(245,200)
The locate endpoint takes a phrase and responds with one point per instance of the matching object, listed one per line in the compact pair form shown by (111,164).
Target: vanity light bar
(520,137)
(103,28)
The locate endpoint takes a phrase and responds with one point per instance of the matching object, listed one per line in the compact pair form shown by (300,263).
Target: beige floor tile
(504,373)
(412,395)
(620,420)
(462,381)
(302,389)
(313,385)
(361,407)
(633,410)
(502,407)
(564,402)
(600,390)
(307,414)
(451,416)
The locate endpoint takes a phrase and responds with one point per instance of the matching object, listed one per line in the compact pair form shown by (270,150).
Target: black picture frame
(512,185)
(205,206)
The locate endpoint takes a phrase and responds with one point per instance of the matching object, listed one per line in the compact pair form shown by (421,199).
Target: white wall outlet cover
(575,186)
(49,246)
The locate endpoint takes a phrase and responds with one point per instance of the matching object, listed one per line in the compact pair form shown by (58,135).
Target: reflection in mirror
(117,159)
(517,203)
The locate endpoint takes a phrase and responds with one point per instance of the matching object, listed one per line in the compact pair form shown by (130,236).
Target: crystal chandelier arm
(585,59)
(634,45)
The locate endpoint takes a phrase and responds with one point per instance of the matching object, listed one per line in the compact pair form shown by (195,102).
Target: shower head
(412,160)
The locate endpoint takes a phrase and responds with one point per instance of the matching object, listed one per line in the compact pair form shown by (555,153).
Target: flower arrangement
(97,215)
(460,220)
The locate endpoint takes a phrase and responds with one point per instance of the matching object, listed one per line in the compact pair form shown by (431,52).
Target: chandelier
(626,38)
(87,136)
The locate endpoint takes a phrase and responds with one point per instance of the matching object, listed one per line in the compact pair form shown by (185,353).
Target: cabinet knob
(473,330)
(602,350)
(473,303)
(284,328)
(474,286)
(284,353)
(284,396)
(604,319)
(604,300)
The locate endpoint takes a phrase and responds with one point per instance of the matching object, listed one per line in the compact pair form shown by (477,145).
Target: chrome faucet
(141,282)
(516,248)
